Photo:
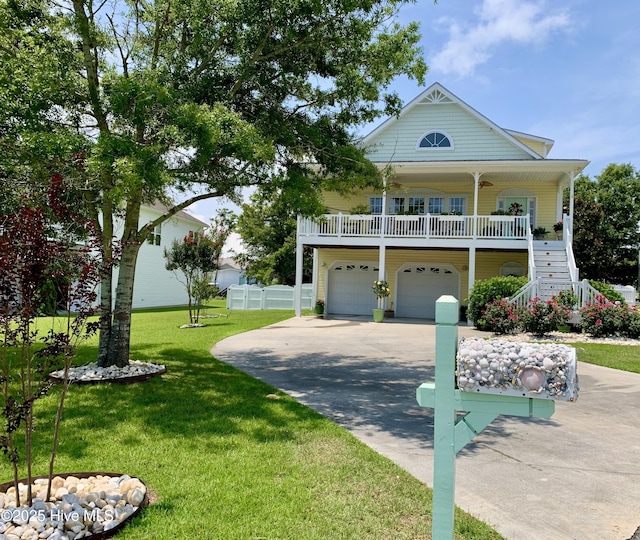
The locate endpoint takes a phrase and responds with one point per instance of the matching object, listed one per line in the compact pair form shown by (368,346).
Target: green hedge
(487,290)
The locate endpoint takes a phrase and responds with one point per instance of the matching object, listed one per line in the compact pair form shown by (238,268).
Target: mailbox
(498,366)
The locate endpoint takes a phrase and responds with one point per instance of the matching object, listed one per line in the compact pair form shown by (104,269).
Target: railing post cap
(447,310)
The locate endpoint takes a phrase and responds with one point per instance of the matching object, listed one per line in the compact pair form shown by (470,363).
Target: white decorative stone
(541,370)
(76,515)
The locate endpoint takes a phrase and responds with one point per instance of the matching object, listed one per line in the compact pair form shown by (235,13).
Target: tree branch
(144,231)
(90,63)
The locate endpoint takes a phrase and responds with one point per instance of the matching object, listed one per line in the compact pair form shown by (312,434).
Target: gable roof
(436,93)
(162,208)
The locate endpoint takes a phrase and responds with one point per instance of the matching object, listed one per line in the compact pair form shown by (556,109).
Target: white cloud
(499,22)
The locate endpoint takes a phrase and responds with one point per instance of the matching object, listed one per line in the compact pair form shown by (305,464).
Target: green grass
(622,357)
(225,460)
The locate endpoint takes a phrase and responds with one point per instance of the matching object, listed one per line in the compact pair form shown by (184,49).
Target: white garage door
(350,290)
(421,284)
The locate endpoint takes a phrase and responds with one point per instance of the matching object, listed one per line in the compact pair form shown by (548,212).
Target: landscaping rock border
(134,372)
(87,505)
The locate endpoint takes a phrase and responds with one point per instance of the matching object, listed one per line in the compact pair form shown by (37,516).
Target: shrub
(604,318)
(541,317)
(607,291)
(632,327)
(487,290)
(567,299)
(500,316)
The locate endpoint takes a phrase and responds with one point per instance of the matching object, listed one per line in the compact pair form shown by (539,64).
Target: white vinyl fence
(628,292)
(273,297)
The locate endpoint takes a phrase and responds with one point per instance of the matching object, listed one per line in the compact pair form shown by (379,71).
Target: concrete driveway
(575,476)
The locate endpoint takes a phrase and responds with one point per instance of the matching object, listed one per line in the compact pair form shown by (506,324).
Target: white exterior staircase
(552,268)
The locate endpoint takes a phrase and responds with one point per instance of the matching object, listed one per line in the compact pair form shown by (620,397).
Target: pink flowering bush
(632,327)
(541,317)
(500,316)
(605,318)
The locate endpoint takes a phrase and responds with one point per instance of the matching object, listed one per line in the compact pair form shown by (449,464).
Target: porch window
(416,205)
(375,205)
(155,237)
(436,205)
(396,205)
(457,205)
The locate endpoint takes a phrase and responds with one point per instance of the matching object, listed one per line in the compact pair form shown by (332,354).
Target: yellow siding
(487,198)
(488,263)
(395,258)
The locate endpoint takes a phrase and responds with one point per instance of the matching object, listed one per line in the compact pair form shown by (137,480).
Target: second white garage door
(421,284)
(350,291)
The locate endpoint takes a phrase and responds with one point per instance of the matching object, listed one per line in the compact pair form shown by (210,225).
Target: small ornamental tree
(195,257)
(39,267)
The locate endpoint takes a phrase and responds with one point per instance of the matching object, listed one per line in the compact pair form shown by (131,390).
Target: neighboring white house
(229,273)
(154,285)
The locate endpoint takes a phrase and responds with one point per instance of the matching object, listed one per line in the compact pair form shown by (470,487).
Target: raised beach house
(467,200)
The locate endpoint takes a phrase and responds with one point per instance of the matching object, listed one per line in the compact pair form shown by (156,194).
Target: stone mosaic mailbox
(498,366)
(483,379)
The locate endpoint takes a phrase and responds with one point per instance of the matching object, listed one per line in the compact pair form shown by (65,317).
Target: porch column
(476,186)
(472,271)
(314,276)
(559,198)
(572,186)
(297,294)
(476,189)
(382,255)
(383,226)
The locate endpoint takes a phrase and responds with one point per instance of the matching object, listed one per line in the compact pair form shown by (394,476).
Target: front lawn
(622,357)
(229,457)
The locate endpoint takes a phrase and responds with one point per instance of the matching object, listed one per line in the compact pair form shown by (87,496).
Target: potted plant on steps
(539,233)
(381,290)
(558,230)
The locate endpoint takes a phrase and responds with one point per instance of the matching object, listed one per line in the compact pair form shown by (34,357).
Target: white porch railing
(546,288)
(421,226)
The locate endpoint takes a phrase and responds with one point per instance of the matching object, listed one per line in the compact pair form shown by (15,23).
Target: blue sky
(567,70)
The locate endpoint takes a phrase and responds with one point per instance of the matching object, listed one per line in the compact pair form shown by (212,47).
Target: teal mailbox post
(503,381)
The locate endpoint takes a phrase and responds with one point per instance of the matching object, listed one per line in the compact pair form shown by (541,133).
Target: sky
(566,70)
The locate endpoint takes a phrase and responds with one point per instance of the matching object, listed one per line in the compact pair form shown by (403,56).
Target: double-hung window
(155,236)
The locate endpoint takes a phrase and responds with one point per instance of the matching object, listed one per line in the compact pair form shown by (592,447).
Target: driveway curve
(574,476)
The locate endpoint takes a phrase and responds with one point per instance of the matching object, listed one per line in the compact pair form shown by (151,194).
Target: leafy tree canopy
(129,100)
(267,227)
(607,214)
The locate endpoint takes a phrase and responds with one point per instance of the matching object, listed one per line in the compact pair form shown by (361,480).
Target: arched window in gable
(435,139)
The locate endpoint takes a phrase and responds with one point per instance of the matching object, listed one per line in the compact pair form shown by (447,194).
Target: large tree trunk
(115,343)
(120,336)
(106,283)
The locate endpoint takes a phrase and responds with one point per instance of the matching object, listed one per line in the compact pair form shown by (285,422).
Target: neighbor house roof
(162,208)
